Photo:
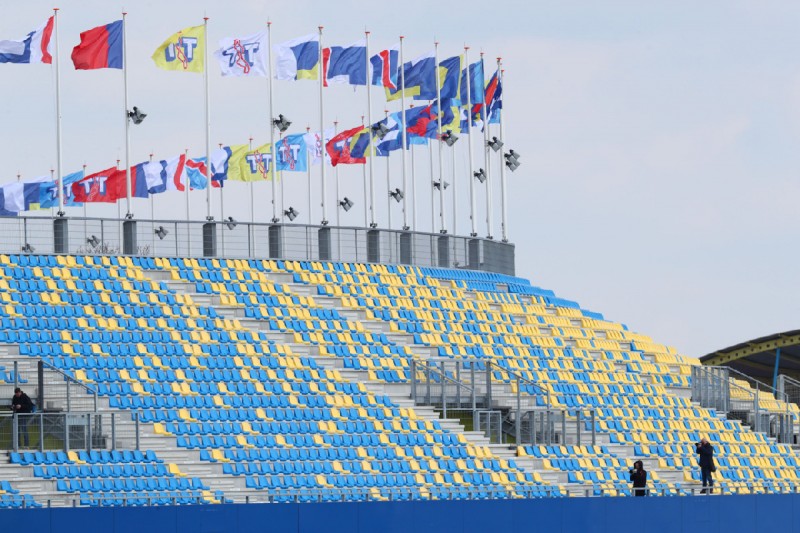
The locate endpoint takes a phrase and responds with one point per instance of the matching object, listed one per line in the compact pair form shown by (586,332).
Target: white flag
(245,56)
(316,146)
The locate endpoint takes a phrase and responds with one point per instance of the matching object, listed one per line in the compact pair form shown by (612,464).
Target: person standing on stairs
(639,479)
(21,404)
(706,461)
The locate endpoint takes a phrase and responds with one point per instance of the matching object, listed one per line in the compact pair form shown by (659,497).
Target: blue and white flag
(345,64)
(245,56)
(36,47)
(292,153)
(297,59)
(48,191)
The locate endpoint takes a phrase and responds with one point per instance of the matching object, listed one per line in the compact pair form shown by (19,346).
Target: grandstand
(163,381)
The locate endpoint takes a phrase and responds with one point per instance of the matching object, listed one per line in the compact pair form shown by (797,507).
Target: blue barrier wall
(690,514)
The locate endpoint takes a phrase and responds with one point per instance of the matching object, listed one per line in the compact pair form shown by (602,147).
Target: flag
(386,68)
(30,192)
(219,166)
(48,191)
(183,51)
(246,56)
(249,165)
(97,187)
(100,47)
(3,211)
(494,98)
(346,64)
(314,144)
(35,48)
(297,59)
(349,147)
(194,173)
(291,153)
(14,197)
(476,97)
(164,175)
(420,79)
(421,122)
(449,76)
(393,140)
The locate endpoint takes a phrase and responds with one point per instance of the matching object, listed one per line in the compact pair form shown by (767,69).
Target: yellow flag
(249,165)
(183,51)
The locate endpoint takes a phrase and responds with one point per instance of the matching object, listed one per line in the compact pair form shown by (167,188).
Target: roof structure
(760,357)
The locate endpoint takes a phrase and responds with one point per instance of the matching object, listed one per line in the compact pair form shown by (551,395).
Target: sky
(659,181)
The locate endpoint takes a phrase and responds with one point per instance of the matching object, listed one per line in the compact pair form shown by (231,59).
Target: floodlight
(397,194)
(231,223)
(282,123)
(438,185)
(380,130)
(480,174)
(346,204)
(28,249)
(512,160)
(162,232)
(136,116)
(291,213)
(495,144)
(449,138)
(94,241)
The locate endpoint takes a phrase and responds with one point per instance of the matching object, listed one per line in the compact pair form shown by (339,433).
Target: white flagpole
(275,218)
(58,118)
(128,192)
(503,200)
(487,161)
(221,195)
(252,188)
(338,192)
(403,135)
(324,221)
(442,223)
(413,183)
(308,175)
(186,189)
(152,196)
(371,154)
(388,182)
(209,216)
(473,228)
(432,189)
(367,205)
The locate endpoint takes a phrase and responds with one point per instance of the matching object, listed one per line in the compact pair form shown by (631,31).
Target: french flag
(35,48)
(100,47)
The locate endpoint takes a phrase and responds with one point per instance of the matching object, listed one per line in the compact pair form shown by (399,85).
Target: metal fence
(50,388)
(714,387)
(230,238)
(51,430)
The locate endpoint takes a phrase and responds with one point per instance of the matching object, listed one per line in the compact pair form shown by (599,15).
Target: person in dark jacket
(706,461)
(22,404)
(639,479)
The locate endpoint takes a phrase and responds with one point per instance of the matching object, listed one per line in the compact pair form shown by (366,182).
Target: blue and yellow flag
(183,51)
(249,165)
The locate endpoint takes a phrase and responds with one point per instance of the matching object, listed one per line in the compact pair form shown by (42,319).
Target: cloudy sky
(659,182)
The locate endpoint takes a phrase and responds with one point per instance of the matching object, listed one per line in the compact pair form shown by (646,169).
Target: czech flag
(100,47)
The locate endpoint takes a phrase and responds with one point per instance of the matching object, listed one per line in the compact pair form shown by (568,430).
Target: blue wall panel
(717,514)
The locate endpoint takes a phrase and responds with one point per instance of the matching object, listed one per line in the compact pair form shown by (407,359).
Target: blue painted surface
(767,513)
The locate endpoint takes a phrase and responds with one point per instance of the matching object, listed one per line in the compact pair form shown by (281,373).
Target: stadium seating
(247,400)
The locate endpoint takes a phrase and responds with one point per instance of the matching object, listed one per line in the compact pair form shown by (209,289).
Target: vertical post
(136,427)
(413,380)
(365,182)
(323,189)
(209,216)
(275,218)
(488,385)
(486,161)
(58,117)
(777,365)
(443,379)
(432,183)
(128,186)
(413,184)
(113,431)
(578,414)
(455,192)
(442,223)
(41,431)
(503,197)
(338,190)
(472,384)
(593,428)
(388,184)
(403,135)
(518,424)
(372,223)
(473,227)
(427,382)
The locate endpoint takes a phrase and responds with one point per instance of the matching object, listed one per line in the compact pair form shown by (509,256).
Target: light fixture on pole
(282,123)
(495,144)
(380,130)
(397,194)
(346,204)
(136,116)
(449,138)
(291,213)
(28,249)
(438,185)
(162,232)
(231,223)
(480,175)
(94,241)
(512,160)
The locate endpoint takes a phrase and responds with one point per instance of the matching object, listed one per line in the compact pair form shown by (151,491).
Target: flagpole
(209,216)
(487,161)
(443,228)
(403,134)
(58,118)
(336,174)
(252,187)
(388,181)
(128,193)
(503,199)
(455,195)
(371,154)
(473,228)
(186,188)
(324,221)
(308,176)
(275,218)
(433,189)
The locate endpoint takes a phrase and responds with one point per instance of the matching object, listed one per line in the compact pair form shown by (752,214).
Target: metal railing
(713,387)
(50,388)
(70,430)
(168,238)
